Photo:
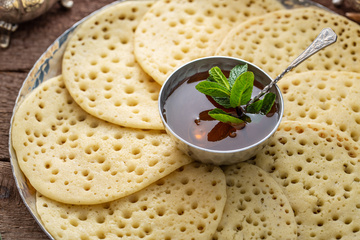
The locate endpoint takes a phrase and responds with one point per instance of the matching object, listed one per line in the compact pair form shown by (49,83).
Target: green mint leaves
(213,89)
(242,89)
(217,76)
(262,106)
(224,117)
(233,92)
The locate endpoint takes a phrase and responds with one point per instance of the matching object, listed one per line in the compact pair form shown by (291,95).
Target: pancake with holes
(101,73)
(73,157)
(256,207)
(274,40)
(187,204)
(174,32)
(325,97)
(318,169)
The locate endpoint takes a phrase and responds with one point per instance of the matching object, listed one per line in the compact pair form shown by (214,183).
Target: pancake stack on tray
(92,144)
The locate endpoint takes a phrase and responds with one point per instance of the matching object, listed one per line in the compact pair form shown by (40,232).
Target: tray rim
(42,71)
(37,75)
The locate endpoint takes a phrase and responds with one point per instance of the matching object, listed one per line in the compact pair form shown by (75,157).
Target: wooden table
(27,45)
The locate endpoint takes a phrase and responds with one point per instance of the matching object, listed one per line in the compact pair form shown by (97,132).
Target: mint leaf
(246,96)
(242,89)
(223,101)
(254,107)
(210,79)
(217,75)
(212,89)
(268,102)
(246,118)
(223,116)
(262,106)
(236,72)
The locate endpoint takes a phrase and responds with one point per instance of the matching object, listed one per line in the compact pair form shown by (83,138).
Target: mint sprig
(213,89)
(242,89)
(224,117)
(262,106)
(234,92)
(217,76)
(236,72)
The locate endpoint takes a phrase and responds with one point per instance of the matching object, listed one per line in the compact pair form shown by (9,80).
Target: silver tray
(48,66)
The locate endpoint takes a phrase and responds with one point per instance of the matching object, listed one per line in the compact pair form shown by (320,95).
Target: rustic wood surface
(27,45)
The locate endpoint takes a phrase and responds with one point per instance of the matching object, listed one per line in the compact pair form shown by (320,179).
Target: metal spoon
(326,37)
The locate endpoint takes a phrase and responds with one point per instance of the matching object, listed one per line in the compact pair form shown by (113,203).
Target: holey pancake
(327,97)
(187,204)
(274,40)
(73,157)
(256,207)
(174,32)
(318,168)
(100,71)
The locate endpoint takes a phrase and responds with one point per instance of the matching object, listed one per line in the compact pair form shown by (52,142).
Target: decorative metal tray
(48,66)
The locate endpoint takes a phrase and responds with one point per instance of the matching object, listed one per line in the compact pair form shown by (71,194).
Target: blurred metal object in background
(13,12)
(337,2)
(352,6)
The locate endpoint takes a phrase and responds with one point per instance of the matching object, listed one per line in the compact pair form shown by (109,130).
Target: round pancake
(256,207)
(174,32)
(274,40)
(100,71)
(187,204)
(318,169)
(327,97)
(73,157)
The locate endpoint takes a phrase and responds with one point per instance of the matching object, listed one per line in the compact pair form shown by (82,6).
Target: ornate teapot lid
(13,12)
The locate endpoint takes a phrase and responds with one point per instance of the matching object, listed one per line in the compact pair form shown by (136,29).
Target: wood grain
(27,44)
(10,83)
(15,220)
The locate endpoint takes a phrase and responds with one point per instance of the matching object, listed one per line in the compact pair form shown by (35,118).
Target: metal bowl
(218,157)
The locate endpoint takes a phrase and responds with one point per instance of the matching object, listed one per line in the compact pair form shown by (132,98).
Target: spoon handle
(326,37)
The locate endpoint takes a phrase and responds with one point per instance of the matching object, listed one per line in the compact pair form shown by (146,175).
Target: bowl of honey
(185,113)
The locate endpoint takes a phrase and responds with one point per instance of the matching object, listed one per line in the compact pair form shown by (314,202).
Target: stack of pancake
(92,144)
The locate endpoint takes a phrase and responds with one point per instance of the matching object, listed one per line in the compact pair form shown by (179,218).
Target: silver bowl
(218,157)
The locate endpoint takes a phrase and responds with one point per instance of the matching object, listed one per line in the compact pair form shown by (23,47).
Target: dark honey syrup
(186,112)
